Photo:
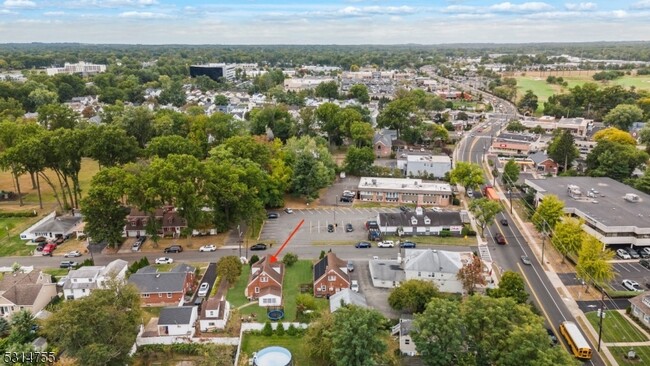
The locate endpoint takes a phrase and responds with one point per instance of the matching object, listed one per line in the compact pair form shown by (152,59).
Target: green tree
(438,333)
(511,285)
(362,133)
(397,115)
(594,262)
(163,146)
(104,214)
(276,118)
(221,100)
(615,160)
(173,94)
(290,259)
(137,122)
(539,130)
(311,163)
(360,93)
(623,115)
(412,296)
(471,274)
(528,103)
(548,213)
(329,90)
(326,117)
(515,126)
(107,339)
(229,268)
(22,325)
(510,173)
(563,150)
(319,337)
(53,116)
(484,211)
(11,109)
(567,236)
(359,160)
(40,97)
(5,327)
(358,337)
(111,146)
(468,175)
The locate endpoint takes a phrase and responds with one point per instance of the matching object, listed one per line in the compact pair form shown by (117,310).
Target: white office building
(421,165)
(78,68)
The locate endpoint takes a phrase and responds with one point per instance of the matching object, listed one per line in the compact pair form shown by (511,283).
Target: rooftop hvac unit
(374,182)
(631,197)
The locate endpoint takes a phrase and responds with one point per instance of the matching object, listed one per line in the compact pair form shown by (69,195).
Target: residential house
(543,164)
(403,330)
(177,321)
(382,143)
(170,223)
(346,297)
(265,282)
(423,222)
(330,276)
(640,306)
(438,266)
(25,291)
(82,281)
(52,227)
(216,310)
(163,288)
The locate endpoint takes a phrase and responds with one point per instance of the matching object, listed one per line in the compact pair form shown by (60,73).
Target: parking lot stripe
(635,266)
(625,268)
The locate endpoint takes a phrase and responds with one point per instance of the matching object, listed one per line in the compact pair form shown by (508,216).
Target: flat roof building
(432,165)
(579,127)
(404,190)
(214,71)
(613,212)
(78,68)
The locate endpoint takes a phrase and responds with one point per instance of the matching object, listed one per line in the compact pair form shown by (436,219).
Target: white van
(354,286)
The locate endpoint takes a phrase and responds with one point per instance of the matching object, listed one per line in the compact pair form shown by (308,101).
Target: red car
(48,249)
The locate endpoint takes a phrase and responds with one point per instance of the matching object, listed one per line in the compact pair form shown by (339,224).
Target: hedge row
(18,214)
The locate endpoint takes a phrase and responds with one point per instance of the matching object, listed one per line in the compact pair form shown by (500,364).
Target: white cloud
(19,4)
(5,11)
(581,6)
(643,4)
(54,13)
(508,7)
(619,13)
(376,10)
(144,15)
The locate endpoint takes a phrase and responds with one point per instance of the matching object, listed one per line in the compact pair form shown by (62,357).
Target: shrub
(18,214)
(292,331)
(290,259)
(279,330)
(322,254)
(267,331)
(254,259)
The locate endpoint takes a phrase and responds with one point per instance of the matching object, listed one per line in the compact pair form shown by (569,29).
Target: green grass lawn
(299,273)
(620,352)
(298,348)
(10,229)
(538,86)
(616,328)
(56,272)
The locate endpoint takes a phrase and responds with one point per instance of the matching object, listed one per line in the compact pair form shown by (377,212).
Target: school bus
(577,342)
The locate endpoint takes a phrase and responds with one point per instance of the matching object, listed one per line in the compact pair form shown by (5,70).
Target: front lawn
(616,327)
(619,354)
(299,273)
(10,229)
(299,350)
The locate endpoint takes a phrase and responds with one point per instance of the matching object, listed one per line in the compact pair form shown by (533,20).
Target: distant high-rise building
(78,68)
(214,71)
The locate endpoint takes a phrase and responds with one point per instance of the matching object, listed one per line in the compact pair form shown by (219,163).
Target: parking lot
(377,298)
(314,229)
(630,270)
(333,194)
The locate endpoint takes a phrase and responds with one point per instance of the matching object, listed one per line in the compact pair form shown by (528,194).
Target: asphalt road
(508,256)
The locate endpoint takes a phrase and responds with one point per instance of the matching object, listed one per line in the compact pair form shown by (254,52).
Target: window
(169,295)
(331,278)
(257,290)
(323,288)
(160,294)
(145,296)
(264,279)
(419,274)
(407,341)
(268,301)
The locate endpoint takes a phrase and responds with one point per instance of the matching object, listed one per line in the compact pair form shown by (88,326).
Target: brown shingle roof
(265,266)
(24,294)
(12,279)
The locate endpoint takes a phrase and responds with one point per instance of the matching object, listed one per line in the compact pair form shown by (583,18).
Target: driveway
(209,276)
(377,298)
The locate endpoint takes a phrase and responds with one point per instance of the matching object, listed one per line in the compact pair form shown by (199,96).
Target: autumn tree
(594,262)
(471,274)
(613,134)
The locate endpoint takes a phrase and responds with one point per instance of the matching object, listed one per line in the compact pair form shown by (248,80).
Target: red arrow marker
(274,258)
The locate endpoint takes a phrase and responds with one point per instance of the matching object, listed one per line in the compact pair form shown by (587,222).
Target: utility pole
(602,315)
(239,239)
(510,195)
(543,242)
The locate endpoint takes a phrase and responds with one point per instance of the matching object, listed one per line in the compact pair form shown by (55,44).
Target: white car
(62,281)
(632,285)
(74,253)
(164,260)
(208,248)
(385,244)
(354,286)
(203,289)
(623,254)
(288,210)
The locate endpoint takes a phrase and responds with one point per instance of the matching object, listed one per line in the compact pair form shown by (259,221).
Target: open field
(616,328)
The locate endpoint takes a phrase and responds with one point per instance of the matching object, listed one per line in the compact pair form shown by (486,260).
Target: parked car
(632,285)
(633,253)
(372,225)
(349,194)
(40,246)
(288,210)
(346,199)
(552,337)
(354,286)
(643,253)
(404,209)
(645,263)
(62,281)
(198,301)
(258,246)
(646,250)
(362,244)
(272,215)
(407,244)
(173,249)
(504,222)
(48,249)
(500,239)
(40,239)
(68,264)
(350,266)
(203,289)
(385,244)
(208,248)
(330,228)
(164,260)
(525,260)
(59,240)
(74,253)
(349,228)
(623,254)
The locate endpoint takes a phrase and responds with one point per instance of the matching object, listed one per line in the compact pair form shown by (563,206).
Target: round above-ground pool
(273,356)
(275,314)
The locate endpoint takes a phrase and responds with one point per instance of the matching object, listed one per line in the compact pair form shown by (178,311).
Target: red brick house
(543,163)
(164,288)
(265,282)
(330,276)
(170,223)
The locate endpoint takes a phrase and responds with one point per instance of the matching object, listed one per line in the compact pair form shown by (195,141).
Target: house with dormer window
(265,282)
(169,222)
(640,308)
(330,276)
(423,222)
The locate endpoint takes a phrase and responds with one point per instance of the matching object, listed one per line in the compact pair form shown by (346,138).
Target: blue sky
(322,22)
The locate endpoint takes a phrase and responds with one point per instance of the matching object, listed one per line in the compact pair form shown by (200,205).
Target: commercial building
(612,211)
(299,84)
(78,68)
(427,165)
(404,190)
(579,127)
(422,222)
(215,72)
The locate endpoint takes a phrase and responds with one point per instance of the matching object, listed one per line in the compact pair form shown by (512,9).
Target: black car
(68,264)
(362,244)
(272,215)
(330,228)
(174,249)
(645,263)
(259,246)
(504,222)
(404,209)
(407,244)
(346,199)
(349,228)
(644,254)
(552,338)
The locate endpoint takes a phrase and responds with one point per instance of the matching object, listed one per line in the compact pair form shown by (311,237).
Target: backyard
(616,328)
(296,275)
(10,229)
(299,350)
